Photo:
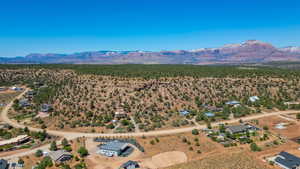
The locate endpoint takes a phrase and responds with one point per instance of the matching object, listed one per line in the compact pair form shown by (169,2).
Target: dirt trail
(287,118)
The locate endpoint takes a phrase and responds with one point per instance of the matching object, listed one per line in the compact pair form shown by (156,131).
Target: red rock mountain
(251,51)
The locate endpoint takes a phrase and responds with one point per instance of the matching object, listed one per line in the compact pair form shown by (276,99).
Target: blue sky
(66,26)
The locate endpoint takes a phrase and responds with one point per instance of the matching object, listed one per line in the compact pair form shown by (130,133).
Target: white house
(253,99)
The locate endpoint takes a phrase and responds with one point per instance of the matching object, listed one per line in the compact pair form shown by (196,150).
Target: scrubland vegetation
(151,96)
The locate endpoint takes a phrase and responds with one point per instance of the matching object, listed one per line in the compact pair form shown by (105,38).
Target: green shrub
(39,153)
(195,132)
(83,151)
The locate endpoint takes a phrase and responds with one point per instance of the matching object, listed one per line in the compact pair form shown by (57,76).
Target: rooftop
(288,160)
(31,92)
(13,140)
(45,107)
(24,102)
(114,146)
(3,164)
(237,128)
(253,98)
(184,112)
(55,155)
(209,114)
(129,163)
(234,102)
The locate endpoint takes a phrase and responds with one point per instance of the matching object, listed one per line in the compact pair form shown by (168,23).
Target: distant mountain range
(251,51)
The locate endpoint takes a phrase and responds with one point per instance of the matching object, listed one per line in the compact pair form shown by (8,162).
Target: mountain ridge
(251,51)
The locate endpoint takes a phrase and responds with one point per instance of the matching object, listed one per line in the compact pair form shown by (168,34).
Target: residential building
(253,99)
(60,156)
(16,88)
(233,103)
(287,160)
(24,103)
(209,114)
(241,128)
(213,108)
(237,129)
(30,94)
(184,112)
(3,164)
(120,114)
(130,165)
(16,141)
(113,148)
(45,108)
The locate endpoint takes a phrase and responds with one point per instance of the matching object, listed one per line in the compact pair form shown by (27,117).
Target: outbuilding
(113,148)
(60,156)
(130,165)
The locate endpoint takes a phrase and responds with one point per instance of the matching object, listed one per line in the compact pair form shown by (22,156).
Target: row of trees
(156,71)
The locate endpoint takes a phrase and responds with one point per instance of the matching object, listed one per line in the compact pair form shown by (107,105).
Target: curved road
(73,135)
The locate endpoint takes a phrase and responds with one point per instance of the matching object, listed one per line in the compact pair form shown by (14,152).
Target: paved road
(73,135)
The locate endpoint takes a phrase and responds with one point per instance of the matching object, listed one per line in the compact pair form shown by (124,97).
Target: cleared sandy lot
(290,131)
(164,160)
(225,160)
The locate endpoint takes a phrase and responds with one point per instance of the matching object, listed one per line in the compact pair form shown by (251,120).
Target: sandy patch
(165,160)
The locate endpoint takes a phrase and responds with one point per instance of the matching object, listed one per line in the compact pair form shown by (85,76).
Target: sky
(67,26)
